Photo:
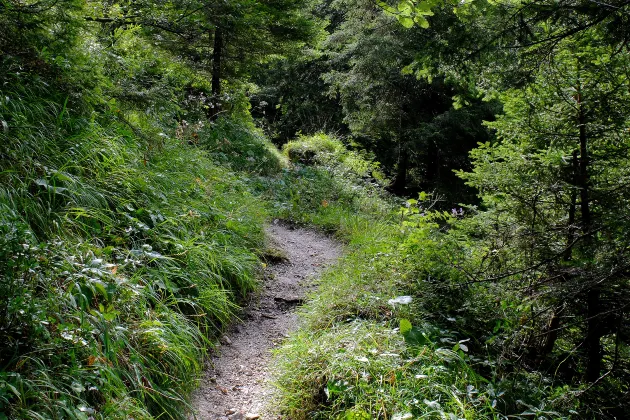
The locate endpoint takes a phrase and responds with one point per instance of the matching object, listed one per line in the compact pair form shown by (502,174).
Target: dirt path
(236,384)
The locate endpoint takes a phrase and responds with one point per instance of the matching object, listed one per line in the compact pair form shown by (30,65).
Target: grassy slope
(116,273)
(126,238)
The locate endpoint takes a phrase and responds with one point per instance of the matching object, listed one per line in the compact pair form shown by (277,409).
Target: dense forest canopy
(474,155)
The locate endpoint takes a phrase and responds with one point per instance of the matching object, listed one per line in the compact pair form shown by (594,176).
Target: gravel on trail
(236,384)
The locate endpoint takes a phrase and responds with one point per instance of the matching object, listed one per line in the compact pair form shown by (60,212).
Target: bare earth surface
(236,384)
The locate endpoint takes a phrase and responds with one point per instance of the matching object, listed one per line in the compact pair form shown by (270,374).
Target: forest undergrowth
(386,335)
(127,235)
(134,194)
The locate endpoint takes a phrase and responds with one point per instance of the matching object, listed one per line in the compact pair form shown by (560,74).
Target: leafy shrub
(330,152)
(240,146)
(312,149)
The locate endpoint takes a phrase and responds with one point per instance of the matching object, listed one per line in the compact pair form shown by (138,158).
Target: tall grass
(124,248)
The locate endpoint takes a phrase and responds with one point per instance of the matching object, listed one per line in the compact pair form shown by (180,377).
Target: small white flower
(402,300)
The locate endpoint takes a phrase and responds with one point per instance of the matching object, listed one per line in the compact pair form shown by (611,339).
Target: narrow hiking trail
(236,384)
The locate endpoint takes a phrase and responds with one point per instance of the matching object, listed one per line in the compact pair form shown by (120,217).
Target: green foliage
(527,274)
(133,191)
(224,41)
(330,194)
(349,360)
(240,146)
(176,238)
(363,83)
(408,270)
(328,151)
(408,122)
(364,370)
(553,190)
(306,149)
(410,13)
(125,246)
(292,98)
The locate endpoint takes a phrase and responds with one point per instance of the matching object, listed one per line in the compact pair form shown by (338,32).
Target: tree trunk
(593,330)
(217,51)
(568,254)
(583,174)
(551,336)
(593,335)
(400,181)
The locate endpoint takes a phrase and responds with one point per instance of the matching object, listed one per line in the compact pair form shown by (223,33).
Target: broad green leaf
(101,288)
(415,337)
(405,326)
(425,8)
(407,70)
(109,316)
(387,7)
(405,21)
(405,7)
(421,21)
